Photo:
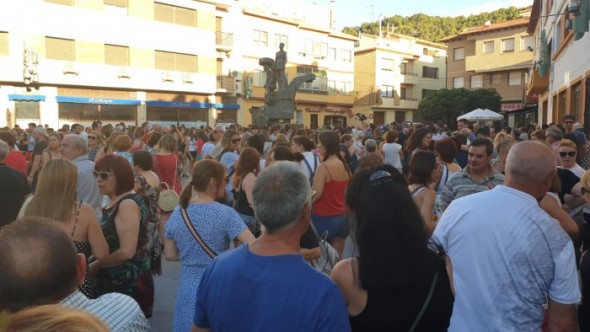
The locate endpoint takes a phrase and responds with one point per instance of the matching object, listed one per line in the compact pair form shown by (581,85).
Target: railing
(409,98)
(227,83)
(225,39)
(409,74)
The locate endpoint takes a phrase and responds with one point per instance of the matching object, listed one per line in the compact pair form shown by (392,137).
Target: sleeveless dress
(166,167)
(87,288)
(133,277)
(329,215)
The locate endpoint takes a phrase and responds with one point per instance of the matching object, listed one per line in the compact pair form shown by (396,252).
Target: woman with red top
(166,167)
(329,183)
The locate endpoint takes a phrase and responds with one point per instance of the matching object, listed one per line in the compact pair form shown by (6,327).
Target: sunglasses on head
(568,154)
(101,175)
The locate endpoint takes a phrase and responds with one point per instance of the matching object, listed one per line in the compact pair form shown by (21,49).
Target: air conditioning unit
(187,78)
(167,76)
(239,88)
(124,72)
(70,68)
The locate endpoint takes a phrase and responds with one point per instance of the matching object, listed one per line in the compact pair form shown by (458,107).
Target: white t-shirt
(313,161)
(577,170)
(207,148)
(391,153)
(508,256)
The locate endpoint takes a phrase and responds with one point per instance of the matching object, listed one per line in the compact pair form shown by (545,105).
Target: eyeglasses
(380,177)
(235,141)
(102,175)
(568,154)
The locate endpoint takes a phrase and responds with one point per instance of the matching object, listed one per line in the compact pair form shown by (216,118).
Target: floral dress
(150,196)
(133,277)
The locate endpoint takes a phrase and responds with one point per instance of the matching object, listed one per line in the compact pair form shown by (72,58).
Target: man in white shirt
(508,256)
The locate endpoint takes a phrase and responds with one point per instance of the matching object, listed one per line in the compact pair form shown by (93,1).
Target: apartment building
(495,55)
(560,75)
(311,49)
(394,73)
(75,61)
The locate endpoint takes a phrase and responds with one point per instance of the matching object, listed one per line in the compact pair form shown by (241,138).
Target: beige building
(310,50)
(393,74)
(495,55)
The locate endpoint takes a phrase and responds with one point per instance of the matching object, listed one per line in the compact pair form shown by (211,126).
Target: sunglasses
(380,177)
(101,175)
(568,154)
(237,140)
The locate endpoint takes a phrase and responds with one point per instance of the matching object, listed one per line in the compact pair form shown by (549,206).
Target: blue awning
(17,97)
(105,101)
(158,103)
(227,106)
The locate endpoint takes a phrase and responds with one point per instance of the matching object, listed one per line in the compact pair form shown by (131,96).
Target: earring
(215,190)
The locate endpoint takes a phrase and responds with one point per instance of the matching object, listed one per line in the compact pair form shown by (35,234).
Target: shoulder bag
(196,235)
(169,199)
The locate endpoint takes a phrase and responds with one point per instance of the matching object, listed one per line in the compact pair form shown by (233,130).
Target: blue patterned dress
(217,225)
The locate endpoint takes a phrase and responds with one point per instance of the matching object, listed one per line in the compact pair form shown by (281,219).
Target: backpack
(315,167)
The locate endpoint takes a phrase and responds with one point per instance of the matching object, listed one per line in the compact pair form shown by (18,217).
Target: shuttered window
(176,15)
(60,49)
(4,43)
(116,55)
(176,61)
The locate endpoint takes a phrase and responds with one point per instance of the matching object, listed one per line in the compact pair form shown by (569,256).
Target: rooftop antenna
(332,7)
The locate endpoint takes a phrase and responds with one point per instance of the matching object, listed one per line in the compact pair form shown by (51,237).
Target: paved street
(166,286)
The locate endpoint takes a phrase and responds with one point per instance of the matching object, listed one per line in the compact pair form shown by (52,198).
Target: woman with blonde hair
(94,143)
(502,144)
(55,198)
(52,150)
(54,318)
(109,146)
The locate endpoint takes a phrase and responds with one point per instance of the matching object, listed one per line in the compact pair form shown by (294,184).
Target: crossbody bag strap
(196,235)
(426,303)
(175,171)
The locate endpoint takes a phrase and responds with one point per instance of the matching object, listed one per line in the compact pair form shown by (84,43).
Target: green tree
(447,104)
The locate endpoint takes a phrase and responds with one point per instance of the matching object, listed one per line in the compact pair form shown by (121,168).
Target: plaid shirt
(462,184)
(119,312)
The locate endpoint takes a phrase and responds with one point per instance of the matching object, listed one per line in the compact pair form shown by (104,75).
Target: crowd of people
(475,228)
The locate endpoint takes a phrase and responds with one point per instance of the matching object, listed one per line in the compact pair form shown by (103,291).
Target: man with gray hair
(74,148)
(509,257)
(14,187)
(372,157)
(267,280)
(553,136)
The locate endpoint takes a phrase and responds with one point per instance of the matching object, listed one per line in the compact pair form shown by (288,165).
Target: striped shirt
(462,184)
(119,312)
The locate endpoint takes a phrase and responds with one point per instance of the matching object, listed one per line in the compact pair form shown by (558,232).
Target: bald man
(509,256)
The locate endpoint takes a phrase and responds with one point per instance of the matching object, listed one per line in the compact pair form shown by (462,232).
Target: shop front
(27,109)
(177,113)
(85,110)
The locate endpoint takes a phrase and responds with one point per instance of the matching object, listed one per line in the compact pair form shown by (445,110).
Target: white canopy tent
(481,114)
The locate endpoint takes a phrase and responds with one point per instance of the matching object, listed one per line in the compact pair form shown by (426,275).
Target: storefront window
(190,117)
(80,112)
(27,111)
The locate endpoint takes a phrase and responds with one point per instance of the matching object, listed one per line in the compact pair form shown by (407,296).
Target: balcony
(408,73)
(225,84)
(537,84)
(224,41)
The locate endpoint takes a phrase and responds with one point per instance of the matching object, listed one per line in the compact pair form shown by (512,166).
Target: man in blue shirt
(266,285)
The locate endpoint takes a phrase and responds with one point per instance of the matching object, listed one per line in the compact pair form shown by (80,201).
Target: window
(116,55)
(527,43)
(508,45)
(260,38)
(332,87)
(387,91)
(258,78)
(496,79)
(176,15)
(514,78)
(345,55)
(345,87)
(331,53)
(60,49)
(459,53)
(429,72)
(4,43)
(576,101)
(387,64)
(403,93)
(488,47)
(477,81)
(176,61)
(27,110)
(319,85)
(281,39)
(316,49)
(458,82)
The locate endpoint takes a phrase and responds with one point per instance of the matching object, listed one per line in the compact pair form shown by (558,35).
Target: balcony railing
(407,73)
(226,84)
(409,98)
(224,40)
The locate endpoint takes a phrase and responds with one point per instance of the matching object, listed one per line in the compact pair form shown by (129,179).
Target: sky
(355,12)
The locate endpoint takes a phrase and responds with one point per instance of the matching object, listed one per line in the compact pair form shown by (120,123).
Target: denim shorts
(335,226)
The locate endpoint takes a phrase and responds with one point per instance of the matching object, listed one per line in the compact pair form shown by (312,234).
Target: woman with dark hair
(330,182)
(420,140)
(460,156)
(217,225)
(446,149)
(153,142)
(396,283)
(147,185)
(423,170)
(124,223)
(247,169)
(392,151)
(310,161)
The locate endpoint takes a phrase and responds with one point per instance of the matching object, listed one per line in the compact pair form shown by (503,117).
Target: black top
(14,187)
(242,205)
(462,158)
(396,308)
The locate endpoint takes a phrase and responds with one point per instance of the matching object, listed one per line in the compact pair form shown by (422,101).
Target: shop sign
(313,109)
(511,107)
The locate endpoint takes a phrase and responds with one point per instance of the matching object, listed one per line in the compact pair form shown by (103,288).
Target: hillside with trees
(433,28)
